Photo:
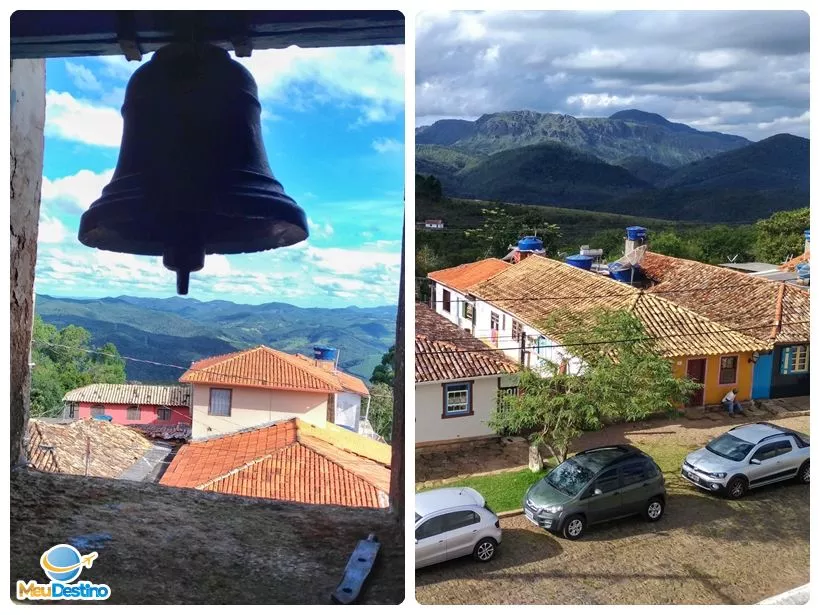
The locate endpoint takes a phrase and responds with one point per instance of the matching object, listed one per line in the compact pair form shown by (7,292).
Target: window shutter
(786,361)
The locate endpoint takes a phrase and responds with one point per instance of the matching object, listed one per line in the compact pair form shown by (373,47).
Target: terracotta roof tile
(173,395)
(463,276)
(266,368)
(277,462)
(732,298)
(440,351)
(556,286)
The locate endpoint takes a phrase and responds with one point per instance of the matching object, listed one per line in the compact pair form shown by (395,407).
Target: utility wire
(616,341)
(160,364)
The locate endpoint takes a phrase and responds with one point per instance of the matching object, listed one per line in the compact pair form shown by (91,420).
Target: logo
(63,564)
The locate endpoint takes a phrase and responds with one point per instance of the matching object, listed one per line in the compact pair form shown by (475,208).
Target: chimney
(806,237)
(635,238)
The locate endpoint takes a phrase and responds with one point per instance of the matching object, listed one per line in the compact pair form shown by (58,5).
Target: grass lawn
(503,491)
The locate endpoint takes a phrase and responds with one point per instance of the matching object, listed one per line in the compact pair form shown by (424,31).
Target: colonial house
(448,289)
(514,309)
(289,460)
(775,313)
(130,404)
(458,381)
(262,385)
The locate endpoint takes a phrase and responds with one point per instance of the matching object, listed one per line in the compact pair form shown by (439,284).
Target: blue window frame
(458,399)
(795,360)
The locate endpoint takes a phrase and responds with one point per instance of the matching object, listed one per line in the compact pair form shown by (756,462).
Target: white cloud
(82,77)
(80,120)
(371,77)
(385,146)
(51,230)
(75,192)
(318,230)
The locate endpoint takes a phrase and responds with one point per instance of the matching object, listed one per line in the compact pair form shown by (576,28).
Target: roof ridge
(725,270)
(244,466)
(355,471)
(220,359)
(778,311)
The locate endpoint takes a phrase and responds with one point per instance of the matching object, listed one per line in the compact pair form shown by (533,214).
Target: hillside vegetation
(633,163)
(179,331)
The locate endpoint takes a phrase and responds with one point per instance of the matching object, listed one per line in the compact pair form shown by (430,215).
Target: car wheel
(485,549)
(574,527)
(737,488)
(803,474)
(654,509)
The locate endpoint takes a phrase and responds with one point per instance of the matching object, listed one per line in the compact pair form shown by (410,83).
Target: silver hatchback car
(454,522)
(747,457)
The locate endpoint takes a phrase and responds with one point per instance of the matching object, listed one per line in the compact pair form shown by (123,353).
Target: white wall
(250,407)
(348,410)
(430,427)
(512,347)
(456,313)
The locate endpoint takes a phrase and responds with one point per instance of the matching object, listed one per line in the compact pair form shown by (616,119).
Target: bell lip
(287,227)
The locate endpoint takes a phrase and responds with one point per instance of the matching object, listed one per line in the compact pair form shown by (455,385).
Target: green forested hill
(179,331)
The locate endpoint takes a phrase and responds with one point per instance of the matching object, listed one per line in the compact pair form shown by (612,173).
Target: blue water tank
(530,244)
(635,233)
(325,353)
(620,272)
(580,260)
(806,234)
(803,271)
(104,417)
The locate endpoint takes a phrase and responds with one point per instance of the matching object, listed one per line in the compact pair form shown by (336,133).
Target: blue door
(762,377)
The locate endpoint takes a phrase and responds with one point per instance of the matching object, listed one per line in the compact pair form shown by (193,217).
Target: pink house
(130,404)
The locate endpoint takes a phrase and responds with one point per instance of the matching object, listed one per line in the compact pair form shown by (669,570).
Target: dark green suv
(596,485)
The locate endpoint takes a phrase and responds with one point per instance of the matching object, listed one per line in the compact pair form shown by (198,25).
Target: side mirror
(597,492)
(754,461)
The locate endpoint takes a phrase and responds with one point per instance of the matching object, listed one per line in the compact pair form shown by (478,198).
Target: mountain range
(178,331)
(632,162)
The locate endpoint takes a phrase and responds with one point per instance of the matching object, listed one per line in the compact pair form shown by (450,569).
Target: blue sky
(333,125)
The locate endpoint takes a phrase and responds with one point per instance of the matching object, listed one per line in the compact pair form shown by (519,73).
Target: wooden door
(696,370)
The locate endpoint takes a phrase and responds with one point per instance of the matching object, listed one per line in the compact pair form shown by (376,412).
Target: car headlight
(718,474)
(553,509)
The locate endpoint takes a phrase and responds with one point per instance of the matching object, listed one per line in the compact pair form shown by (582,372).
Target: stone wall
(28,109)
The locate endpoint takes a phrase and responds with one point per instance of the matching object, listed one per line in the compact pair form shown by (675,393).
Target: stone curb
(798,595)
(510,513)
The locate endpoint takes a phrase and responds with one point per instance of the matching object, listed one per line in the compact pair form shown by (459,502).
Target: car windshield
(569,477)
(730,447)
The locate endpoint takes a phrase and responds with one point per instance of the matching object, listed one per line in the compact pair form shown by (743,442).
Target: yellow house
(520,300)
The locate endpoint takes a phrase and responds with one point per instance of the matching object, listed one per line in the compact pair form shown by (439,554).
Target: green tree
(672,244)
(500,230)
(380,413)
(781,236)
(64,359)
(721,243)
(620,379)
(428,187)
(383,372)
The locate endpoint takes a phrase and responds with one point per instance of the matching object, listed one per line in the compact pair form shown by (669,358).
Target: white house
(262,385)
(458,381)
(448,289)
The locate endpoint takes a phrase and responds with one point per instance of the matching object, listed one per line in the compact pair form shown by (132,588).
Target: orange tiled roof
(763,308)
(537,287)
(791,264)
(266,368)
(440,351)
(278,462)
(463,276)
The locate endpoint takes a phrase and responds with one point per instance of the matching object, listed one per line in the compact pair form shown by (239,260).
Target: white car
(454,522)
(747,457)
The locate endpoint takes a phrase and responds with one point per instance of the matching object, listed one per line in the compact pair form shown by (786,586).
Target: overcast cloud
(744,73)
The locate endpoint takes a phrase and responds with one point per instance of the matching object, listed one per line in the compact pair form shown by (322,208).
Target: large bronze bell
(192,176)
